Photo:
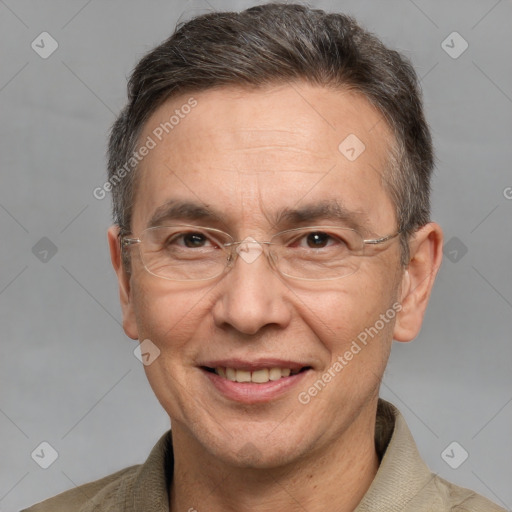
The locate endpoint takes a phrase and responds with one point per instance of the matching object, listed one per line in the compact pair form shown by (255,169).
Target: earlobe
(426,250)
(123,278)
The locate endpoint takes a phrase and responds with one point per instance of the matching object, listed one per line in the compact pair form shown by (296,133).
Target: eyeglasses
(193,253)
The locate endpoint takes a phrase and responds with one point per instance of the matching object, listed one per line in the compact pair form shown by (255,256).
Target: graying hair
(282,43)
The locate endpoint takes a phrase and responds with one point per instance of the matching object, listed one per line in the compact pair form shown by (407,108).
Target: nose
(251,295)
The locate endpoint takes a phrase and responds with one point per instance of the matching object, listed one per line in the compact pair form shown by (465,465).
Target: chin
(251,446)
(259,456)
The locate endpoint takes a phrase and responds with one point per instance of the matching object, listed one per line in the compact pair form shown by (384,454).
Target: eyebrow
(329,210)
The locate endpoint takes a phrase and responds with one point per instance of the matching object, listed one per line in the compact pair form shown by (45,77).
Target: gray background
(68,373)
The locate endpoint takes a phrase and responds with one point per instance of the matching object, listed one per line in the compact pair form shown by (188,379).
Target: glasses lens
(317,253)
(191,253)
(183,253)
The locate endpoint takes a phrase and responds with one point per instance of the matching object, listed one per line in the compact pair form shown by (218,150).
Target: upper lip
(254,364)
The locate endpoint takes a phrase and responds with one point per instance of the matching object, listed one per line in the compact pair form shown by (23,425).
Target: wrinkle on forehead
(255,152)
(295,139)
(276,120)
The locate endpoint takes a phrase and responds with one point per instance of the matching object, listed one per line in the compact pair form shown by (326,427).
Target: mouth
(258,376)
(253,383)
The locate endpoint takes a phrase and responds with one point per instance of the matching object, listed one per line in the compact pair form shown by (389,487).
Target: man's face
(246,155)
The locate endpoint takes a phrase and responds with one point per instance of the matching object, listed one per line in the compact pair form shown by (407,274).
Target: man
(270,178)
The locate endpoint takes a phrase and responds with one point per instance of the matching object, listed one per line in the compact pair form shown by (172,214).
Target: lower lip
(251,392)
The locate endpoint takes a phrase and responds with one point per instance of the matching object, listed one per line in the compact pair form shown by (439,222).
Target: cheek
(360,309)
(168,316)
(171,320)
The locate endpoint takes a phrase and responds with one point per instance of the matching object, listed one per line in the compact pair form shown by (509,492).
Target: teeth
(243,376)
(258,376)
(275,374)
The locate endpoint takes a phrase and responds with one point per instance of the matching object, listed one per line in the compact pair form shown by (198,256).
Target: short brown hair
(279,43)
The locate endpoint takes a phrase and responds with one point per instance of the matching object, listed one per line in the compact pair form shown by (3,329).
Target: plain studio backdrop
(68,373)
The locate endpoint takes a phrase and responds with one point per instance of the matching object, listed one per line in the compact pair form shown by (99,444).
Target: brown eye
(187,240)
(318,239)
(194,239)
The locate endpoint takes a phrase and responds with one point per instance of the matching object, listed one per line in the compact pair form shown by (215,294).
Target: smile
(256,384)
(260,376)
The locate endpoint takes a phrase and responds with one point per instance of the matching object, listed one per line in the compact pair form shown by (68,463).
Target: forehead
(251,152)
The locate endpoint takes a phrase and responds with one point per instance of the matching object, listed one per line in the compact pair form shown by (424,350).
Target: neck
(337,475)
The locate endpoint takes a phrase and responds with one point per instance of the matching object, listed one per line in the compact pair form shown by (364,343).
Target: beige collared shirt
(403,482)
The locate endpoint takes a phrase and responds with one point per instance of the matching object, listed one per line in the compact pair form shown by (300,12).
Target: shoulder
(406,482)
(89,495)
(141,487)
(460,499)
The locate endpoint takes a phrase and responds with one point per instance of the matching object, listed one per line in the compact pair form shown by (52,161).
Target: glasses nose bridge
(250,250)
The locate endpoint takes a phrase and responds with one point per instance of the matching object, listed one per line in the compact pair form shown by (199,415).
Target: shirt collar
(402,474)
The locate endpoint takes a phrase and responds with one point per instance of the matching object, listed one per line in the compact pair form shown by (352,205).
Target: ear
(123,278)
(426,253)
